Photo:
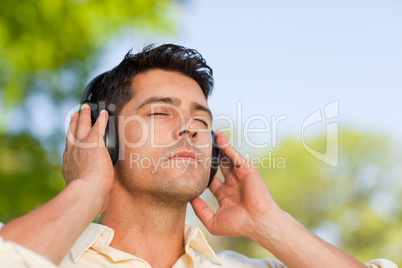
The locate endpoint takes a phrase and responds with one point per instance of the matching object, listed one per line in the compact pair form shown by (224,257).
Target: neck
(146,228)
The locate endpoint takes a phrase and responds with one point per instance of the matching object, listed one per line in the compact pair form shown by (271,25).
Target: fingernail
(72,115)
(102,112)
(84,106)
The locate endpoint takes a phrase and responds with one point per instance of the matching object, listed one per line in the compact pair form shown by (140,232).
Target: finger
(214,186)
(72,129)
(203,212)
(84,122)
(74,123)
(227,174)
(226,165)
(99,127)
(227,148)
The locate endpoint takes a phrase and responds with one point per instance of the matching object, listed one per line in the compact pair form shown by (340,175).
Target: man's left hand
(244,197)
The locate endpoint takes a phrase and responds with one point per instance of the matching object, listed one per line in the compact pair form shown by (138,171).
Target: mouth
(185,155)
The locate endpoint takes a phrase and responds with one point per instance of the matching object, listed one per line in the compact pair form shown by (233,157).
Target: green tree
(29,176)
(50,46)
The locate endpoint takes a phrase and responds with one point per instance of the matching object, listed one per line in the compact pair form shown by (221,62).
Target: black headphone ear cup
(214,158)
(112,140)
(94,114)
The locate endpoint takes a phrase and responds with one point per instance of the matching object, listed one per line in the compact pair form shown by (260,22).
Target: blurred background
(273,61)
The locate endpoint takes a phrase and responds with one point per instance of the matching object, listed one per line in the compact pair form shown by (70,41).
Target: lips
(186,155)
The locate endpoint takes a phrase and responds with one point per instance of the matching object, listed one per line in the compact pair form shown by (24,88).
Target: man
(159,97)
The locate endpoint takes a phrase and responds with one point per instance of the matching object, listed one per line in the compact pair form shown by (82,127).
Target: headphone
(111,137)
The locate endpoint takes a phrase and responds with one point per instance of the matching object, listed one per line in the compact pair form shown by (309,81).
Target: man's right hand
(85,157)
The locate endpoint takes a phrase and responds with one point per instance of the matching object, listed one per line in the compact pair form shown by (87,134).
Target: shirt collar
(87,239)
(99,237)
(195,240)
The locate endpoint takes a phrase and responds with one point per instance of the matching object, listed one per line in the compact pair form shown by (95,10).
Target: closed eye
(202,121)
(158,114)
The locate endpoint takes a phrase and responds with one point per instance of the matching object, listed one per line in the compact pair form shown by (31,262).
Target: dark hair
(115,88)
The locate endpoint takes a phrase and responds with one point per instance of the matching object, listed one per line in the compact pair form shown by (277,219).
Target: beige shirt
(92,250)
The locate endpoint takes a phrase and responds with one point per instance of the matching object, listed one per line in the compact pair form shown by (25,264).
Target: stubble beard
(166,181)
(173,185)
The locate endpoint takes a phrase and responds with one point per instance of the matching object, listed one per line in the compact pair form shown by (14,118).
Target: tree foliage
(29,176)
(50,46)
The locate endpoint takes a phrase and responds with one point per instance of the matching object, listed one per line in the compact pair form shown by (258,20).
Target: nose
(187,130)
(183,132)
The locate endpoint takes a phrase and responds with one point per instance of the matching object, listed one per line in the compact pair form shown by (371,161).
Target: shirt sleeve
(16,256)
(233,260)
(381,263)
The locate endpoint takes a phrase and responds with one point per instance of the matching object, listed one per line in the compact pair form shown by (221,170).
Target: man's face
(165,137)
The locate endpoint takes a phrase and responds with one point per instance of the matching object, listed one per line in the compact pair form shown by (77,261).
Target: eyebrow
(176,102)
(199,107)
(169,100)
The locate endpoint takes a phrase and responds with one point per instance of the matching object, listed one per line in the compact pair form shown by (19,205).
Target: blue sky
(294,57)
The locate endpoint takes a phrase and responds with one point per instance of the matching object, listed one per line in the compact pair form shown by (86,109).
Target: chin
(181,186)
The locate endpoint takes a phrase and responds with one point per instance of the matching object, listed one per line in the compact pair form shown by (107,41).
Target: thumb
(203,212)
